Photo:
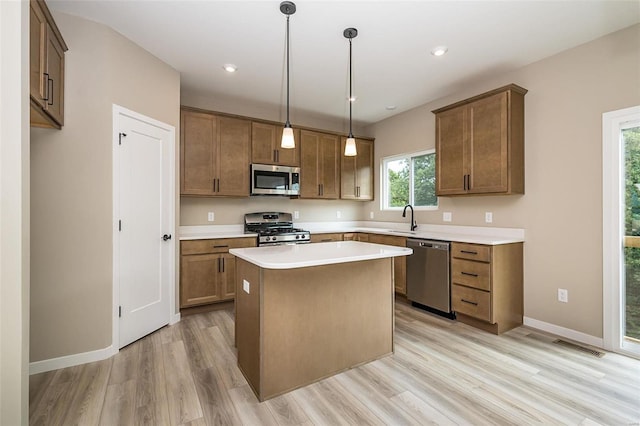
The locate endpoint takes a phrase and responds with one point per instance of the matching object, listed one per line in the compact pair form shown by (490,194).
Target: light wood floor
(442,372)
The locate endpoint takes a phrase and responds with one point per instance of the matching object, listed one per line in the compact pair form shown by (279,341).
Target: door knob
(166,237)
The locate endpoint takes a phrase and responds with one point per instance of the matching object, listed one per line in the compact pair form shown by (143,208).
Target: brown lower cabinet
(207,270)
(399,263)
(325,238)
(486,285)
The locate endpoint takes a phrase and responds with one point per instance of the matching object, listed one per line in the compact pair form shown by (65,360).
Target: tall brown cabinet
(480,144)
(356,173)
(214,154)
(320,165)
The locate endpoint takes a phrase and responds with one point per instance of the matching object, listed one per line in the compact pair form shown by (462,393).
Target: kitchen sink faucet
(414,225)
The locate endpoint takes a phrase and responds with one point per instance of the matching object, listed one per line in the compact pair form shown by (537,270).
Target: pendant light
(350,146)
(288,141)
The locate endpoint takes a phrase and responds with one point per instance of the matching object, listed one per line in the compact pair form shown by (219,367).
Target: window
(409,179)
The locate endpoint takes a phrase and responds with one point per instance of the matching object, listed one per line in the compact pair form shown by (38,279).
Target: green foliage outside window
(631,139)
(417,171)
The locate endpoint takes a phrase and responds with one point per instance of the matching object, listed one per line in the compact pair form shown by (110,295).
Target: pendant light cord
(350,91)
(288,124)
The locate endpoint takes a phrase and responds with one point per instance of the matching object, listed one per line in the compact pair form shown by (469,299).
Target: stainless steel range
(274,228)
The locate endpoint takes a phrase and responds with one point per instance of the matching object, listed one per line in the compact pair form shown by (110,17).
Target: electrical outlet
(563,295)
(488,217)
(246,286)
(370,215)
(446,216)
(338,214)
(211,217)
(296,214)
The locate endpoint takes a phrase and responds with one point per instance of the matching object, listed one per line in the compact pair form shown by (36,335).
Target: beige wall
(562,208)
(14,213)
(71,175)
(230,211)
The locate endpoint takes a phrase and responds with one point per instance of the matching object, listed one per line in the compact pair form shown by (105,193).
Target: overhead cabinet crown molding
(480,144)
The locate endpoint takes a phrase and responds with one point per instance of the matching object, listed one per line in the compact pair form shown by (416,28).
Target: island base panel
(317,321)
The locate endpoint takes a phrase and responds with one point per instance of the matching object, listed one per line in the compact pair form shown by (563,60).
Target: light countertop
(304,255)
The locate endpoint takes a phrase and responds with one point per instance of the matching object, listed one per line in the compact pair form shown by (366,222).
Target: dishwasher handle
(436,245)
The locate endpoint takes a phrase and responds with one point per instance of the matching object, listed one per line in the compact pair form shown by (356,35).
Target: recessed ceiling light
(353,98)
(439,50)
(230,68)
(390,107)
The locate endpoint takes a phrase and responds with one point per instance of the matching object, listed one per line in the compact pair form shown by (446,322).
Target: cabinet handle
(469,274)
(223,246)
(277,156)
(358,191)
(222,264)
(469,252)
(469,302)
(219,259)
(46,86)
(50,102)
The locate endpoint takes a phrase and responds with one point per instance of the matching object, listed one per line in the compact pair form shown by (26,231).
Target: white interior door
(143,211)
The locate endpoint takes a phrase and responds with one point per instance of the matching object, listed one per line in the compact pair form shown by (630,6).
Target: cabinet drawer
(324,238)
(472,302)
(388,240)
(470,273)
(217,245)
(471,251)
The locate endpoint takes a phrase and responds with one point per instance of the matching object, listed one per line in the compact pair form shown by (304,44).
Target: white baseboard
(174,318)
(564,332)
(71,360)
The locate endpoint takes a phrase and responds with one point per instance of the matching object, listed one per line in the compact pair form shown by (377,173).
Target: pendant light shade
(350,147)
(288,141)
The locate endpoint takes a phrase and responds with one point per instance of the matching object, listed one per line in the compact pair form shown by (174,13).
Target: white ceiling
(392,64)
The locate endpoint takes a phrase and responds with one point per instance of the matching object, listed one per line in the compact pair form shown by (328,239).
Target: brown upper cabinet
(265,145)
(214,154)
(320,165)
(356,173)
(480,144)
(46,67)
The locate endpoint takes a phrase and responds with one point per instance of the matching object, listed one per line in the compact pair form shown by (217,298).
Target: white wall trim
(71,360)
(613,225)
(564,332)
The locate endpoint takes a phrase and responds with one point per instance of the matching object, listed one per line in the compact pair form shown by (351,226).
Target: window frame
(384,190)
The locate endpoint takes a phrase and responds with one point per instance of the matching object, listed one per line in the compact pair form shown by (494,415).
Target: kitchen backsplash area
(231,211)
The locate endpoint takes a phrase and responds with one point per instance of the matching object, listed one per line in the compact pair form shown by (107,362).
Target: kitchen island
(305,312)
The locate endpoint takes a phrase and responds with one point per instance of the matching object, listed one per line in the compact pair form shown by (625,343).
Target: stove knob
(297,237)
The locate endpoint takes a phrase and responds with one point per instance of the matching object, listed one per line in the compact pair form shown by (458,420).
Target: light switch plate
(563,295)
(246,286)
(370,215)
(338,214)
(211,217)
(296,214)
(446,216)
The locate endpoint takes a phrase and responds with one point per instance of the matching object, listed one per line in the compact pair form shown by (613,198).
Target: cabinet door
(233,161)
(228,277)
(288,157)
(198,144)
(263,143)
(451,168)
(356,173)
(399,263)
(37,43)
(488,144)
(54,104)
(329,166)
(199,279)
(309,173)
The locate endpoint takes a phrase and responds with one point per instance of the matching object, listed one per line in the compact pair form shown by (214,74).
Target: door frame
(173,317)
(612,226)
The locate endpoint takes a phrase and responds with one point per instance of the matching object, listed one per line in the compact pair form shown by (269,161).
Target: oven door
(274,180)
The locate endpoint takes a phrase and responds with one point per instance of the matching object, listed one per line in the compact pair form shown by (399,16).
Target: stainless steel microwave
(274,180)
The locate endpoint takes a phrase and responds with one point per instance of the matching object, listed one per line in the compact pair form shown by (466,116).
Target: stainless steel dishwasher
(428,281)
